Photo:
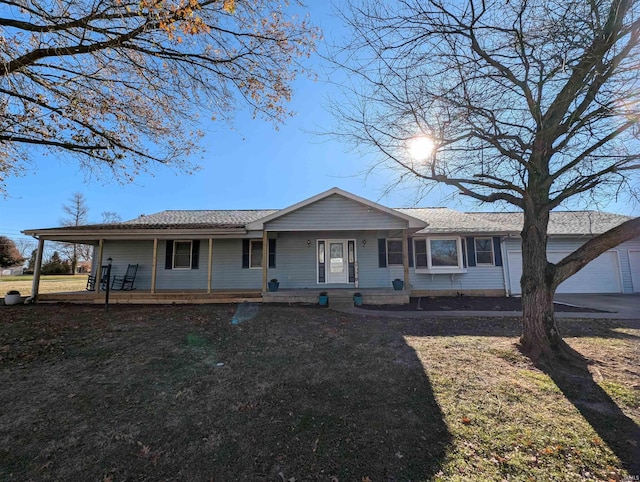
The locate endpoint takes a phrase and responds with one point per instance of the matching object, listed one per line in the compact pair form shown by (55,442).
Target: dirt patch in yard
(471,303)
(302,393)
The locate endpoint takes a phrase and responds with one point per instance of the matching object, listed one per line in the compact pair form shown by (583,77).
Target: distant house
(341,242)
(13,271)
(83,267)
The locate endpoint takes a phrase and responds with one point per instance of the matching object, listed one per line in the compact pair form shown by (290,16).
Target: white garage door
(602,275)
(634,261)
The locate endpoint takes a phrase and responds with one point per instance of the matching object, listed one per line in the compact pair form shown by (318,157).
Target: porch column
(36,271)
(154,265)
(98,270)
(210,266)
(405,258)
(265,259)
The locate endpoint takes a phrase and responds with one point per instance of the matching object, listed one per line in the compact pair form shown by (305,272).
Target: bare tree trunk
(74,259)
(540,335)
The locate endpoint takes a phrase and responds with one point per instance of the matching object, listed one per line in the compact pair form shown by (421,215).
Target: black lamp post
(106,298)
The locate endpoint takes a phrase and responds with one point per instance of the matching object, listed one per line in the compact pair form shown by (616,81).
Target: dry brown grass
(48,284)
(302,394)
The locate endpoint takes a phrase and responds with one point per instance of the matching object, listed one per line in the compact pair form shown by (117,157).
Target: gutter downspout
(505,274)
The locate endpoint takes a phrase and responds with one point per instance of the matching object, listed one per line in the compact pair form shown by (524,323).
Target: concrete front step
(342,296)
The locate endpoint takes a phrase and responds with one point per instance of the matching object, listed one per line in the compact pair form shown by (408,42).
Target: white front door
(338,267)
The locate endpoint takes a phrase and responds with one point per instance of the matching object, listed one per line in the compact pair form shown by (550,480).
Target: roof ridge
(209,210)
(426,207)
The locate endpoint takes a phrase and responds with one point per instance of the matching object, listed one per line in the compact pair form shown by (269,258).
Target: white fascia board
(132,234)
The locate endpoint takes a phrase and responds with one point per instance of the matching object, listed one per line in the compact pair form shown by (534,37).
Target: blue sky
(251,167)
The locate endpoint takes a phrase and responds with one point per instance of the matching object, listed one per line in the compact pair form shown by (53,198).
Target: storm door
(337,261)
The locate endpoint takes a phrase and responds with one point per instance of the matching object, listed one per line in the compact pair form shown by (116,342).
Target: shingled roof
(445,220)
(218,218)
(440,220)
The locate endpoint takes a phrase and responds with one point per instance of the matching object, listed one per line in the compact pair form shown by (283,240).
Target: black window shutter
(471,252)
(272,253)
(497,253)
(245,253)
(410,252)
(351,248)
(168,260)
(195,253)
(382,253)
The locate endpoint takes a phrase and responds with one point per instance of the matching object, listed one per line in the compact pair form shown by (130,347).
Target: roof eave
(54,234)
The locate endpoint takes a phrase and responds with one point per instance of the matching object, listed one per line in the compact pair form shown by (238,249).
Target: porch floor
(308,295)
(158,297)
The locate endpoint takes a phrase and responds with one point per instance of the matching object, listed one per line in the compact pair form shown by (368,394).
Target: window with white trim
(444,253)
(394,252)
(255,253)
(484,251)
(182,254)
(420,250)
(438,254)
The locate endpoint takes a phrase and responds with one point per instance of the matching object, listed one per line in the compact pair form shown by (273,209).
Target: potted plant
(274,285)
(398,284)
(357,299)
(12,298)
(323,298)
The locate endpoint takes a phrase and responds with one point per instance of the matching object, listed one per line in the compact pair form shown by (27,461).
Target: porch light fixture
(308,243)
(364,243)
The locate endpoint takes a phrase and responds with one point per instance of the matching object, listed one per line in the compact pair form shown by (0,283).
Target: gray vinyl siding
(336,213)
(228,272)
(370,275)
(571,244)
(296,264)
(182,279)
(124,253)
(476,278)
(296,261)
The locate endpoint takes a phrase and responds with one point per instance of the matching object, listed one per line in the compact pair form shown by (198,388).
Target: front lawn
(48,283)
(300,393)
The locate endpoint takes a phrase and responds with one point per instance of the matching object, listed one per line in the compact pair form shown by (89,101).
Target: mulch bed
(471,303)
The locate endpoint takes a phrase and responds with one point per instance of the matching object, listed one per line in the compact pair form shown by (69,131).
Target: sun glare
(420,148)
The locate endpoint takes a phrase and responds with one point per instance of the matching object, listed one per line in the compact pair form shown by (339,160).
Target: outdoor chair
(125,282)
(91,281)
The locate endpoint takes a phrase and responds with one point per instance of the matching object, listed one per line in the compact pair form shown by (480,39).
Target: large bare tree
(119,84)
(76,214)
(530,103)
